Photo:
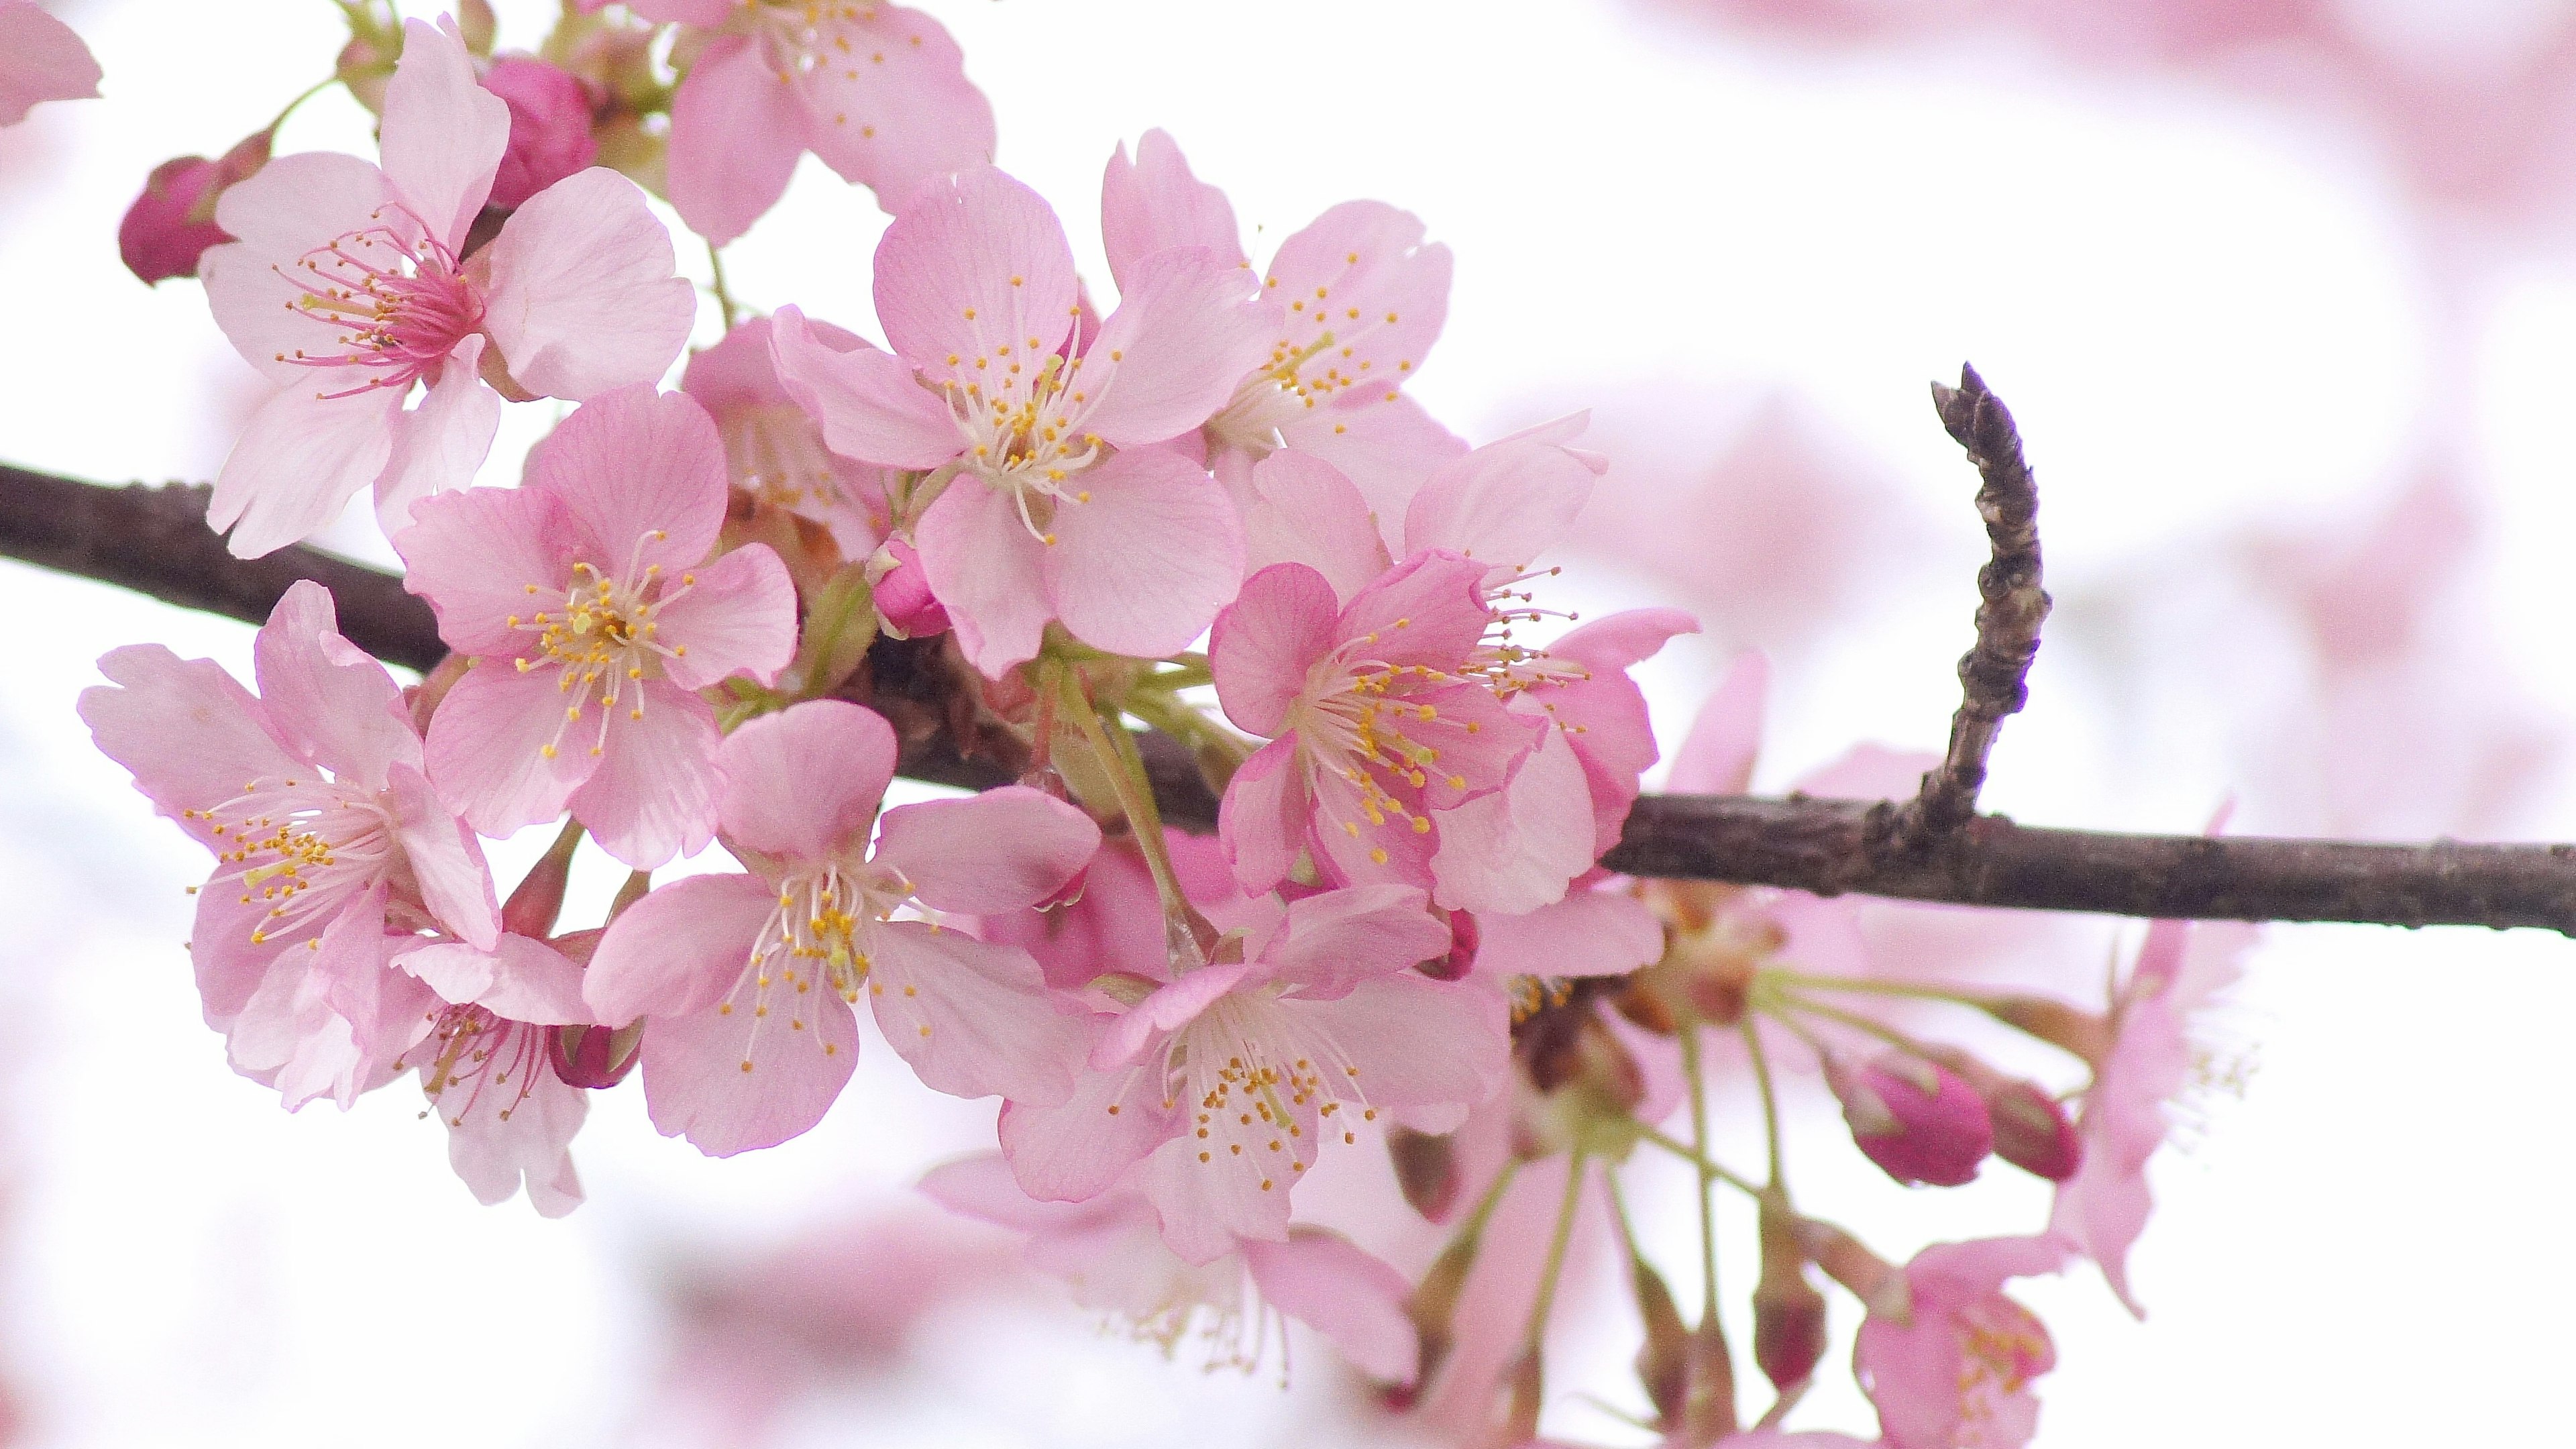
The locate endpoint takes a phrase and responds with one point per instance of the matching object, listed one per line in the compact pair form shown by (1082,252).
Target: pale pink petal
(973,1018)
(889,106)
(439,445)
(972,265)
(867,401)
(446,860)
(1074,1151)
(1617,641)
(653,795)
(733,615)
(1716,757)
(581,297)
(1589,933)
(1332,942)
(518,1130)
(518,977)
(485,559)
(229,966)
(190,735)
(1263,644)
(1208,1207)
(998,851)
(705,14)
(1868,772)
(40,60)
(388,1010)
(679,950)
(332,701)
(488,746)
(288,1035)
(731,1081)
(981,1187)
(1387,446)
(1603,710)
(1304,511)
(443,134)
(1514,850)
(736,371)
(1171,355)
(1420,1045)
(805,782)
(1429,610)
(297,464)
(1508,501)
(1167,1010)
(1361,273)
(737,128)
(1335,1287)
(1141,564)
(641,475)
(286,208)
(1262,819)
(985,568)
(1154,203)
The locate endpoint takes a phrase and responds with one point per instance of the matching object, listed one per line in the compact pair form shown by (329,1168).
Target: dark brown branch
(154,540)
(2011,605)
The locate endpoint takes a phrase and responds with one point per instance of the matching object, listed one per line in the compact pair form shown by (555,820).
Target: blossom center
(1258,1079)
(390,297)
(603,640)
(776,457)
(299,847)
(1357,718)
(470,1051)
(819,935)
(1312,365)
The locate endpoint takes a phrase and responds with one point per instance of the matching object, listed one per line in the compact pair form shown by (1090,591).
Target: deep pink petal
(867,401)
(517,977)
(1429,610)
(972,265)
(488,744)
(1182,339)
(332,701)
(889,107)
(654,793)
(641,475)
(1142,564)
(446,860)
(1262,819)
(1352,846)
(1333,941)
(485,559)
(443,134)
(998,851)
(1589,933)
(805,782)
(1074,1151)
(439,445)
(1513,851)
(973,1018)
(985,569)
(737,128)
(190,735)
(1508,501)
(297,464)
(1154,203)
(582,297)
(1347,1294)
(679,950)
(734,615)
(40,60)
(1304,511)
(731,1081)
(1263,644)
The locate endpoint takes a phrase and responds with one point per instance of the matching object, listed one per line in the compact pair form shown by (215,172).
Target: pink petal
(334,703)
(985,568)
(805,782)
(696,1084)
(286,208)
(1262,819)
(297,465)
(1353,847)
(1420,1045)
(487,749)
(1167,1010)
(1513,851)
(1142,566)
(1387,446)
(474,556)
(1182,338)
(582,298)
(896,111)
(1207,1208)
(737,128)
(1429,610)
(641,475)
(518,977)
(971,265)
(981,1187)
(1264,642)
(1368,258)
(739,617)
(654,793)
(1618,641)
(1154,203)
(443,134)
(1333,1286)
(227,964)
(705,14)
(1508,501)
(190,735)
(289,1036)
(1589,933)
(735,371)
(1332,942)
(1716,757)
(868,402)
(1868,772)
(679,950)
(1074,1151)
(439,445)
(1304,511)
(998,851)
(974,1019)
(492,1152)
(40,60)
(446,861)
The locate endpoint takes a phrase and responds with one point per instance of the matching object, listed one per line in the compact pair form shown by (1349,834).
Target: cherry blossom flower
(326,833)
(773,450)
(1225,1081)
(1117,924)
(549,128)
(479,1038)
(2181,968)
(747,981)
(878,92)
(1054,507)
(1955,1371)
(1363,298)
(593,614)
(170,226)
(1108,1250)
(40,60)
(348,286)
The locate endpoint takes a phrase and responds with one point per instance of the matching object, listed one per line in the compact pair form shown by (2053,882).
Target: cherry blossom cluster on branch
(1402,936)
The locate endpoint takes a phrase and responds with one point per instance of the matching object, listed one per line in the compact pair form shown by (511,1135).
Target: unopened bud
(477,25)
(1426,1167)
(1708,1403)
(1434,1304)
(1873,1280)
(1918,1120)
(637,883)
(1788,1311)
(172,223)
(425,696)
(1663,1360)
(903,593)
(2087,1034)
(532,908)
(1528,1393)
(550,138)
(593,1057)
(2032,1131)
(1464,938)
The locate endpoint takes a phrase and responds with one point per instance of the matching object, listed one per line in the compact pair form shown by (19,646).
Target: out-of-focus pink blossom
(172,223)
(1955,1371)
(588,600)
(550,136)
(1916,1119)
(1108,1250)
(774,451)
(40,60)
(748,981)
(348,286)
(1058,509)
(877,91)
(326,833)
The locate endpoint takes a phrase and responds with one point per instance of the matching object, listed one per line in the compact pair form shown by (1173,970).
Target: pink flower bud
(903,595)
(2032,1131)
(1788,1313)
(1464,938)
(549,127)
(1918,1121)
(1427,1168)
(172,223)
(593,1056)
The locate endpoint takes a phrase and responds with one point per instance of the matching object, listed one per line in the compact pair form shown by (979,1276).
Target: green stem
(1856,1022)
(308,93)
(724,298)
(1961,995)
(1556,1245)
(1770,1097)
(1712,1170)
(1692,1075)
(1126,771)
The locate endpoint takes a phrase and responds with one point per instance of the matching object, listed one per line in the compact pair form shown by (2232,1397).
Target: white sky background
(2206,315)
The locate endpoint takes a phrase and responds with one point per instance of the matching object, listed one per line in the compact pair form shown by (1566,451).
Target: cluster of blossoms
(1399,937)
